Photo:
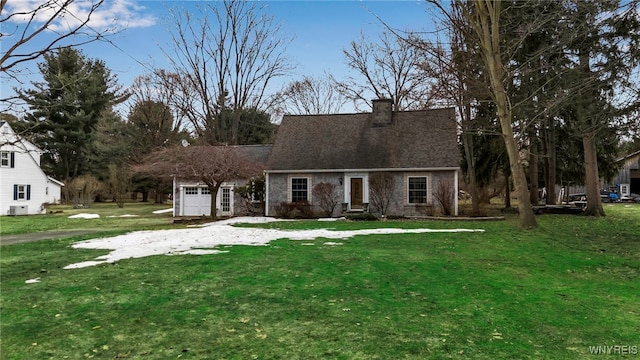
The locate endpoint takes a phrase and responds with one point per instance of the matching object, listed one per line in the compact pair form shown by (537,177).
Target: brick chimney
(382,112)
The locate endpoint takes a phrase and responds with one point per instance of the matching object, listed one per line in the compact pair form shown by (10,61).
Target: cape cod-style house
(418,148)
(24,188)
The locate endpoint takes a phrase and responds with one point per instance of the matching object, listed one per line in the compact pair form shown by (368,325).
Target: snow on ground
(163,211)
(84,216)
(123,216)
(205,238)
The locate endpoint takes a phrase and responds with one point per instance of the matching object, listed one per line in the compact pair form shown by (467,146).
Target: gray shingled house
(193,198)
(417,148)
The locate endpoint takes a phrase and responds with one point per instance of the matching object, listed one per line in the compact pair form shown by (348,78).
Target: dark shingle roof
(414,139)
(255,153)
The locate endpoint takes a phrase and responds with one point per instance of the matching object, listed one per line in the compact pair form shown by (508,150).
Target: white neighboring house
(24,187)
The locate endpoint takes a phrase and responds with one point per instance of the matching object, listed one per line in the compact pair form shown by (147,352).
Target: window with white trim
(299,189)
(4,158)
(417,189)
(205,191)
(191,191)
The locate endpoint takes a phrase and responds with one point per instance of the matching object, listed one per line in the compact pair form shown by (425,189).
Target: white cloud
(112,14)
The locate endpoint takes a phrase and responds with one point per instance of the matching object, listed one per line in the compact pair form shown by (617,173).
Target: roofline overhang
(444,168)
(624,158)
(60,183)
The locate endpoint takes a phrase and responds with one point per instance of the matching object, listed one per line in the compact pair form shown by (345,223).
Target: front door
(356,193)
(226,208)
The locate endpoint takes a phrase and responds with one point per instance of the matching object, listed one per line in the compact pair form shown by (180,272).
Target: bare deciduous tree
(152,88)
(327,196)
(309,96)
(445,195)
(459,85)
(212,165)
(224,56)
(483,17)
(381,185)
(392,69)
(24,25)
(118,183)
(82,190)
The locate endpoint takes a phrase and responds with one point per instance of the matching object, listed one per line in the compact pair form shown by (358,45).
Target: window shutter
(28,192)
(13,160)
(15,192)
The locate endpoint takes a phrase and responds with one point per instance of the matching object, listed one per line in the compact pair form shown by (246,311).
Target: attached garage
(195,200)
(191,196)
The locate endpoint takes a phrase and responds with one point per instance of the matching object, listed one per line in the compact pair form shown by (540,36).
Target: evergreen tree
(603,51)
(151,126)
(66,108)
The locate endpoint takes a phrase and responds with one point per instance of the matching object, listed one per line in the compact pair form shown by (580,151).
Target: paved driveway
(39,236)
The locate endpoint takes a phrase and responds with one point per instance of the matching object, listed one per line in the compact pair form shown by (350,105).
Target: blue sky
(320,31)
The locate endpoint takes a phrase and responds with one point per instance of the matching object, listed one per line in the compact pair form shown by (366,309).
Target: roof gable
(10,141)
(412,139)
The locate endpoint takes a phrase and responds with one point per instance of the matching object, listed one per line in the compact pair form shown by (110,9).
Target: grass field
(548,293)
(112,218)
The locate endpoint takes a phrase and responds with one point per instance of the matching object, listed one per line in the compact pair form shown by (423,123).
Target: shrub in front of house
(362,217)
(327,196)
(445,196)
(294,210)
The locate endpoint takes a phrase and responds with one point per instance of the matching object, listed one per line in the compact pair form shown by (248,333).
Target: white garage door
(196,201)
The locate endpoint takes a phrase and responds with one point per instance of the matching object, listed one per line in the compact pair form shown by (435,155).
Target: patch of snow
(163,211)
(247,220)
(32,281)
(123,216)
(200,252)
(330,243)
(332,219)
(84,216)
(196,241)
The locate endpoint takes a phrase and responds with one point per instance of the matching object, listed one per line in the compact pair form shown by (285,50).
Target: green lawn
(548,293)
(112,218)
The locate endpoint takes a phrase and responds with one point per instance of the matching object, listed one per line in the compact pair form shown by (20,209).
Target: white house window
(299,189)
(191,191)
(417,187)
(4,158)
(205,191)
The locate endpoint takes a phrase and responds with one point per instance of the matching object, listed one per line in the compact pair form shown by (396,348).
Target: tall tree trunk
(550,162)
(487,26)
(213,189)
(235,127)
(533,169)
(507,192)
(589,124)
(594,204)
(471,173)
